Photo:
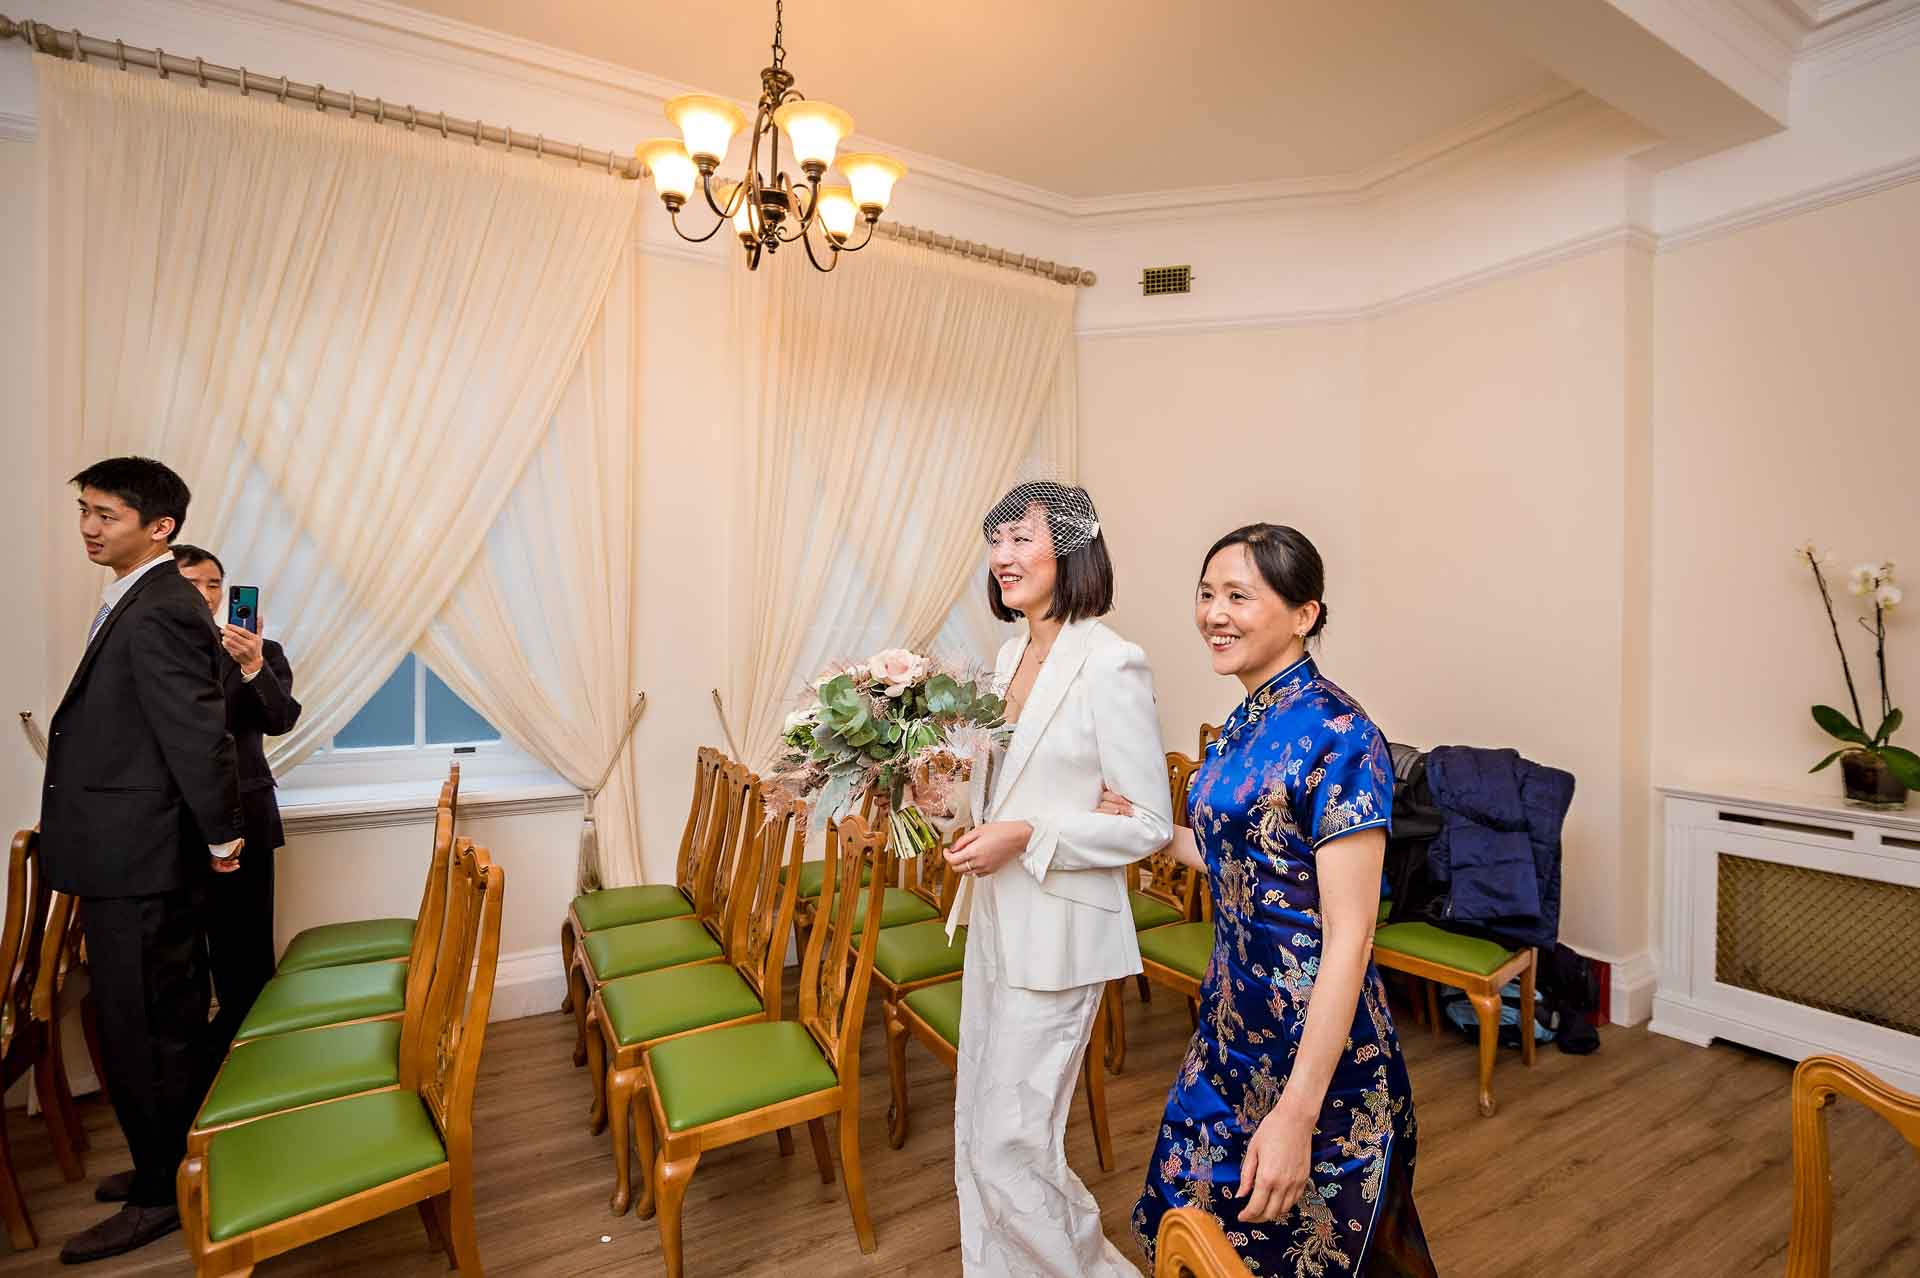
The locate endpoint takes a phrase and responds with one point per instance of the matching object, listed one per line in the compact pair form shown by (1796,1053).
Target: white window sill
(317,809)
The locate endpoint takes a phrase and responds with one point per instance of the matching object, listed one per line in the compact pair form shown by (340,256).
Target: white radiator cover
(1697,1001)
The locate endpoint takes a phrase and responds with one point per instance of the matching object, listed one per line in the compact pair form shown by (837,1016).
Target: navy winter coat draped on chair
(1496,859)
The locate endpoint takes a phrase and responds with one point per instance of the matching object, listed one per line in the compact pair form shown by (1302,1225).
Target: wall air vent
(1158,280)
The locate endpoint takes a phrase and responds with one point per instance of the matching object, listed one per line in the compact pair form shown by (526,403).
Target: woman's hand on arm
(985,848)
(1126,729)
(1348,869)
(1182,847)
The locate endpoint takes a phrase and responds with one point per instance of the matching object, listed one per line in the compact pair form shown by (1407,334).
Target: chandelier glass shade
(767,206)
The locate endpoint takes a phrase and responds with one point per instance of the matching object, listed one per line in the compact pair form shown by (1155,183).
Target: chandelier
(769,211)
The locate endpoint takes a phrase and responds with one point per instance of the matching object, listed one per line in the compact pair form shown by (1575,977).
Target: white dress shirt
(117,588)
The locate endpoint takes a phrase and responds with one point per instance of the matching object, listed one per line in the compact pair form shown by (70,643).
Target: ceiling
(1083,98)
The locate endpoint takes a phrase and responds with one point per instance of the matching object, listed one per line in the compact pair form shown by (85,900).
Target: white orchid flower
(1861,580)
(1887,596)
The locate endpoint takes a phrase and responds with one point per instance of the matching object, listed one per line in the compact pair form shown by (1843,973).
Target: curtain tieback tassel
(591,875)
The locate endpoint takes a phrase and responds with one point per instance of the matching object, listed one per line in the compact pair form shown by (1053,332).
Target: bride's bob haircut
(1083,573)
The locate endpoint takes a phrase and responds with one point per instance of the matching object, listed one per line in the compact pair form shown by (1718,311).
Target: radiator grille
(1830,941)
(1156,280)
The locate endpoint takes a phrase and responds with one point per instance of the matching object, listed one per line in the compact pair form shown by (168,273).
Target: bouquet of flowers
(875,726)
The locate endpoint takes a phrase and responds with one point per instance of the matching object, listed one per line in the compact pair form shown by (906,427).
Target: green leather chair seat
(283,1165)
(1449,949)
(326,996)
(1151,911)
(704,1078)
(939,1006)
(646,947)
(272,1074)
(898,908)
(1386,908)
(811,875)
(617,907)
(1184,947)
(918,952)
(654,1004)
(337,944)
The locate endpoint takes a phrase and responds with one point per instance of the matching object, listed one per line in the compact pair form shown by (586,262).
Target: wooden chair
(267,1187)
(813,874)
(913,955)
(364,940)
(633,1013)
(1209,733)
(373,990)
(1192,1245)
(648,902)
(1166,895)
(931,1014)
(613,952)
(728,1085)
(30,948)
(281,1072)
(1817,1082)
(1481,968)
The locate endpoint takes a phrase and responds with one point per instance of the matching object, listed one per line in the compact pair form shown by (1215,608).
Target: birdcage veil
(1072,521)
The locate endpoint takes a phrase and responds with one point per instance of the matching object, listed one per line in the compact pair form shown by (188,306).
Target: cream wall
(1787,403)
(1462,466)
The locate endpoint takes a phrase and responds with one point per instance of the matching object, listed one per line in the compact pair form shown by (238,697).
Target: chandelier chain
(779,18)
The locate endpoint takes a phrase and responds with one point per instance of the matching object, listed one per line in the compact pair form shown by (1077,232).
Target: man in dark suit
(142,795)
(259,685)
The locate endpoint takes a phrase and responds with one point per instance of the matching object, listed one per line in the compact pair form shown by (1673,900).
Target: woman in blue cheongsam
(1291,1120)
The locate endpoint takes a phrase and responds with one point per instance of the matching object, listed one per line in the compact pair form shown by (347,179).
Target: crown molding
(1851,188)
(467,44)
(18,128)
(1815,31)
(1567,250)
(1341,187)
(1860,36)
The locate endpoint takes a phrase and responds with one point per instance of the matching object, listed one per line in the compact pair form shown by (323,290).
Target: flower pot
(1870,782)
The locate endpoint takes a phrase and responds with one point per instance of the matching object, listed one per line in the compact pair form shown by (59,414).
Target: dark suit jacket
(141,772)
(261,708)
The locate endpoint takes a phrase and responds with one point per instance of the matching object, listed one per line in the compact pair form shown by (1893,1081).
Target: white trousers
(1023,1213)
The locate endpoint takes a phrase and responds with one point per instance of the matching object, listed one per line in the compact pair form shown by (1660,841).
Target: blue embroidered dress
(1298,765)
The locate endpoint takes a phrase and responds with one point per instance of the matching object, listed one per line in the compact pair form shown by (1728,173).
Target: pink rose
(898,669)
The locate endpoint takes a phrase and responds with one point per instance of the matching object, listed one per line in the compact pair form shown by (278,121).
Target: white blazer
(1090,721)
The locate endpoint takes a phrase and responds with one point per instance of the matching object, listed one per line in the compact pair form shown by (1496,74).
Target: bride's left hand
(986,848)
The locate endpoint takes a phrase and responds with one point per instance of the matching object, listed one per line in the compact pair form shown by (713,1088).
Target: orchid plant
(1874,583)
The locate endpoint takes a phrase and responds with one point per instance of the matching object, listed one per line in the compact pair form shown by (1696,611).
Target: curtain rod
(72,44)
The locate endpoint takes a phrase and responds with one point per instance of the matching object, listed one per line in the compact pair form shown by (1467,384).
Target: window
(416,708)
(407,733)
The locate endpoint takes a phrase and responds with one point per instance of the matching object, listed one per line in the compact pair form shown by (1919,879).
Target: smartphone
(243,607)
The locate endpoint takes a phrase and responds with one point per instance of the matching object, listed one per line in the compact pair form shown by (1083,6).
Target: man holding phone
(258,681)
(141,795)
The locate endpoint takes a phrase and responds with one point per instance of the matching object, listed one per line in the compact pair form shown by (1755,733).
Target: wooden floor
(1648,1158)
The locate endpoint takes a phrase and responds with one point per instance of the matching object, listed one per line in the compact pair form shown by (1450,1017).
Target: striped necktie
(99,619)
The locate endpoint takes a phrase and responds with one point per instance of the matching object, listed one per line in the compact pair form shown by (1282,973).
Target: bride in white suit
(1045,897)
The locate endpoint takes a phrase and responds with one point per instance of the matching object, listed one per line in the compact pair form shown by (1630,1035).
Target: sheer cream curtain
(884,408)
(348,339)
(539,635)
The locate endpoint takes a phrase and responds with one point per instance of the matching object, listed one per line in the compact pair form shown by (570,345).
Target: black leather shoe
(126,1230)
(115,1188)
